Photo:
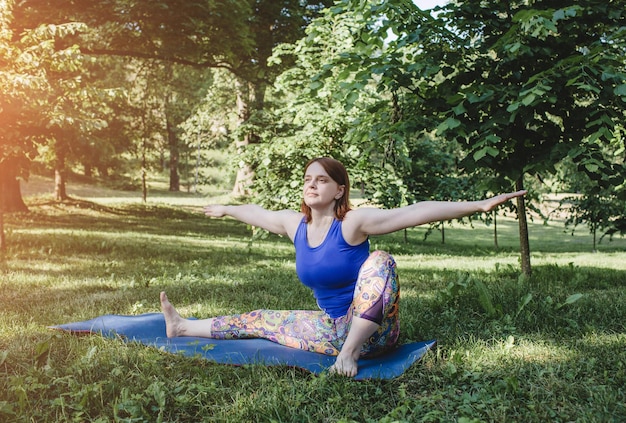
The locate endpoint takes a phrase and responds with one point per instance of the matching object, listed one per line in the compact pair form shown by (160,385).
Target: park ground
(549,347)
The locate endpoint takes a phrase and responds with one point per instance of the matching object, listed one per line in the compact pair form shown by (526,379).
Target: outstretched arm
(372,221)
(282,222)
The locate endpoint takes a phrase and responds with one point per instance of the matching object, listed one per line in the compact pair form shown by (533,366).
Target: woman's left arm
(371,221)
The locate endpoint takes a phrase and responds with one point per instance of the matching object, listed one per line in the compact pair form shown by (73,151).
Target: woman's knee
(380,256)
(379,263)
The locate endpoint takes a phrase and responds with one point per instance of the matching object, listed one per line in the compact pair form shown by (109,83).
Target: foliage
(330,108)
(598,212)
(511,82)
(41,85)
(561,99)
(156,94)
(486,93)
(311,120)
(510,348)
(520,86)
(123,44)
(183,31)
(601,209)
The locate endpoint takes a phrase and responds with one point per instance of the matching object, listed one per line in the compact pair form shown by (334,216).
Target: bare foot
(173,322)
(345,365)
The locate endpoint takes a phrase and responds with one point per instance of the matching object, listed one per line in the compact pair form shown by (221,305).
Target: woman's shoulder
(360,214)
(351,227)
(291,221)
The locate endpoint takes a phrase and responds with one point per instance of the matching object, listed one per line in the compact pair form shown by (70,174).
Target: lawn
(551,347)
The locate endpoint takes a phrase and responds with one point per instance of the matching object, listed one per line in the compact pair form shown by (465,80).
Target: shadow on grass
(132,218)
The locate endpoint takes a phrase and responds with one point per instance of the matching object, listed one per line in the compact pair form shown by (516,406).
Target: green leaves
(491,151)
(538,23)
(538,93)
(620,90)
(448,124)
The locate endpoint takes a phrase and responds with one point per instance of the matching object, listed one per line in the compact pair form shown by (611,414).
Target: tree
(16,85)
(169,32)
(210,125)
(192,33)
(596,211)
(532,85)
(519,86)
(35,108)
(101,150)
(185,89)
(315,117)
(272,23)
(331,107)
(601,209)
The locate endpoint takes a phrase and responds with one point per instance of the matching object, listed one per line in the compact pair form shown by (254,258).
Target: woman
(357,292)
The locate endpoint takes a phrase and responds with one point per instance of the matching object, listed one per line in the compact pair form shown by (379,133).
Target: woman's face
(319,188)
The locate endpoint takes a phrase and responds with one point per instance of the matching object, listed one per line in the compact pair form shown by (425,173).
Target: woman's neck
(322,218)
(318,228)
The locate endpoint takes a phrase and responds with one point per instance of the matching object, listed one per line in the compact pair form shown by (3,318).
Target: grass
(510,348)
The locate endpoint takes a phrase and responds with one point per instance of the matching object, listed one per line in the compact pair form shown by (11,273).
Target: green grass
(509,348)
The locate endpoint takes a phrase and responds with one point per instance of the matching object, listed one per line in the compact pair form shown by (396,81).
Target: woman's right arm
(282,222)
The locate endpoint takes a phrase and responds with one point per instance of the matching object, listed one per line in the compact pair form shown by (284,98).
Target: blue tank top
(330,269)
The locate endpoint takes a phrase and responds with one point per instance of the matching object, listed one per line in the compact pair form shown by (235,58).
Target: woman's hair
(337,171)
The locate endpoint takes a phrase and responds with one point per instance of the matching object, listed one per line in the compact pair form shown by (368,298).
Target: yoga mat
(149,329)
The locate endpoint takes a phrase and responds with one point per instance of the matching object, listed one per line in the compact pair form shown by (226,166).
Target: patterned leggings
(376,298)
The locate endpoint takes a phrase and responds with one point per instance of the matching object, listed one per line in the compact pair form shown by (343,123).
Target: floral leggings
(376,298)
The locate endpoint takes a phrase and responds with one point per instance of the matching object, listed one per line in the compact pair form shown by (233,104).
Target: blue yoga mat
(149,329)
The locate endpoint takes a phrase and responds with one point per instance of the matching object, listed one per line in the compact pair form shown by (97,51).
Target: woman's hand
(215,210)
(491,203)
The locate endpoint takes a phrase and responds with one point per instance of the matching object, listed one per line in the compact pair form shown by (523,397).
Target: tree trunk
(523,229)
(3,245)
(593,229)
(195,181)
(10,196)
(172,140)
(103,171)
(443,232)
(495,228)
(87,170)
(60,194)
(144,172)
(10,191)
(3,241)
(144,161)
(250,97)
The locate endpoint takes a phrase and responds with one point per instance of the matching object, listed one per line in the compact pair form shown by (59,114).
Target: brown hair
(338,173)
